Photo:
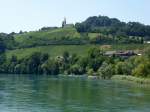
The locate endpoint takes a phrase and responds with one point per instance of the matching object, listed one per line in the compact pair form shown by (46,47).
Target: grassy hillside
(53,50)
(57,40)
(51,36)
(67,36)
(57,50)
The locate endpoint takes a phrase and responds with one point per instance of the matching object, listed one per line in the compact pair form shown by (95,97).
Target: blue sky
(27,15)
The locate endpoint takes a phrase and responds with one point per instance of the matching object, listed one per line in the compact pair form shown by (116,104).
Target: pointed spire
(65,22)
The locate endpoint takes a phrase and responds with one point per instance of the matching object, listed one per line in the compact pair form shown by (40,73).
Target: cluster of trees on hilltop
(7,41)
(106,25)
(95,63)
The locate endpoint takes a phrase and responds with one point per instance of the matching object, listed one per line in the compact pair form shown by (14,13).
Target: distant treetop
(106,25)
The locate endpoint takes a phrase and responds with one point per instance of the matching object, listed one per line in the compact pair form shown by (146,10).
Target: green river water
(31,93)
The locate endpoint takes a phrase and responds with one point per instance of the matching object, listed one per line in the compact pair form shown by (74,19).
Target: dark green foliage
(47,28)
(2,46)
(76,69)
(106,70)
(106,25)
(50,67)
(142,70)
(147,52)
(95,63)
(2,58)
(7,41)
(66,56)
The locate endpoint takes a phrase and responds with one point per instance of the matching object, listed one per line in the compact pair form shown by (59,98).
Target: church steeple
(64,22)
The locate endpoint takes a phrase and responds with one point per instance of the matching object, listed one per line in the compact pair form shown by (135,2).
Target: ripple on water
(59,94)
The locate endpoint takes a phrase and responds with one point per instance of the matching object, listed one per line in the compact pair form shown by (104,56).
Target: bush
(90,72)
(142,70)
(106,70)
(76,69)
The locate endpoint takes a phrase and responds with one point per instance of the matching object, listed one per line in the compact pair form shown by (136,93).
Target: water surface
(27,93)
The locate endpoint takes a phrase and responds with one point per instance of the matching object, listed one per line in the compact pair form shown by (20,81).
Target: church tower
(64,23)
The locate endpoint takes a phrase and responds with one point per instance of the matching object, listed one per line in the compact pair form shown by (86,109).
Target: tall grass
(131,79)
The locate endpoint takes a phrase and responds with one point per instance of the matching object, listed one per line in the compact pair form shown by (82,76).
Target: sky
(29,15)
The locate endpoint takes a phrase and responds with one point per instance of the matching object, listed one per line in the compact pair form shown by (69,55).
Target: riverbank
(131,79)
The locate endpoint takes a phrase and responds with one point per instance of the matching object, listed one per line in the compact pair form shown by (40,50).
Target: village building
(123,54)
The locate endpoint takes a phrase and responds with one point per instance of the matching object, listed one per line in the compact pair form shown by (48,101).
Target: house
(123,54)
(126,54)
(110,53)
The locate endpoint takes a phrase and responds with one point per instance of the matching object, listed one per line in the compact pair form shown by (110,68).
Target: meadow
(81,50)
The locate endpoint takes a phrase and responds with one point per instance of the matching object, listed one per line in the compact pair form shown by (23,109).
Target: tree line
(94,64)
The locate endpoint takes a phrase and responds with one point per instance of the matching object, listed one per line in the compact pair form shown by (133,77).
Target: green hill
(68,36)
(53,50)
(48,37)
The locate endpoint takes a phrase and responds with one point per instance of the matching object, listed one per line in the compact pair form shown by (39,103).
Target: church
(65,25)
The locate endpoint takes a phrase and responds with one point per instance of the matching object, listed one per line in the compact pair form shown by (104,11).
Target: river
(32,93)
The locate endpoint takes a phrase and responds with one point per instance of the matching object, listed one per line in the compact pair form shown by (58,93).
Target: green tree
(50,67)
(76,69)
(142,70)
(106,71)
(90,72)
(119,69)
(2,46)
(66,56)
